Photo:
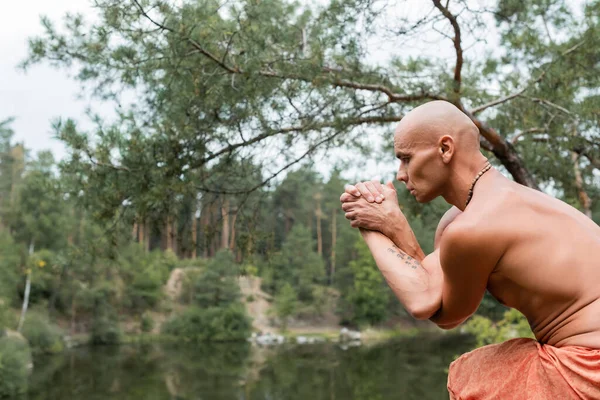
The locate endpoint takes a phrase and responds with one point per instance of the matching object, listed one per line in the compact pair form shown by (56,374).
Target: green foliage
(217,285)
(10,262)
(105,323)
(297,264)
(491,308)
(513,325)
(105,330)
(286,304)
(15,362)
(146,322)
(368,298)
(45,266)
(228,323)
(145,274)
(7,316)
(43,336)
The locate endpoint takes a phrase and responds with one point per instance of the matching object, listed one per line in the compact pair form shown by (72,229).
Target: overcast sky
(43,93)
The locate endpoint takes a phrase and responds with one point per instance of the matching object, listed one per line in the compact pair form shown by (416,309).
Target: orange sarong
(524,369)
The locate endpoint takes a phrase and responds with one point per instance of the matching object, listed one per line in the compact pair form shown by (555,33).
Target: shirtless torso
(548,256)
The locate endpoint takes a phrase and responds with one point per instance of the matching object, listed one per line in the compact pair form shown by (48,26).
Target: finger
(347,207)
(379,194)
(348,198)
(373,192)
(355,224)
(351,189)
(365,191)
(390,185)
(350,215)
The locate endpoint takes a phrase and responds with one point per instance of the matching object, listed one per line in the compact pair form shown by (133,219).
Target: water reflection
(403,369)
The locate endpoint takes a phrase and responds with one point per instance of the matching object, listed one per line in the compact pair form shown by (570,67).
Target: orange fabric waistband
(525,369)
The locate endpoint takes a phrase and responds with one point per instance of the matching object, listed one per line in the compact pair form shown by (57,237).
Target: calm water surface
(413,368)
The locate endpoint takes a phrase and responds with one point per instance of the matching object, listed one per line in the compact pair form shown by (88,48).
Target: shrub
(210,324)
(286,304)
(146,289)
(105,324)
(10,260)
(217,285)
(15,362)
(105,330)
(43,336)
(513,325)
(7,318)
(146,323)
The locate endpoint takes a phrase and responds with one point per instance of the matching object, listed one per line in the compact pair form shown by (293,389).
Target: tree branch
(518,93)
(526,132)
(302,128)
(457,45)
(220,61)
(310,150)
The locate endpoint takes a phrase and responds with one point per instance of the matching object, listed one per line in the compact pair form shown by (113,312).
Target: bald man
(531,251)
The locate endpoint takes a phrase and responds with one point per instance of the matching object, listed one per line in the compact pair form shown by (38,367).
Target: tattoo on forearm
(408,260)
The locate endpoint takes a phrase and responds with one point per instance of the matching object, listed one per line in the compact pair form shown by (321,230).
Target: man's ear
(446,148)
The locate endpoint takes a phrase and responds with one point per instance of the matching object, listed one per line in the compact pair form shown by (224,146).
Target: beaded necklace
(485,169)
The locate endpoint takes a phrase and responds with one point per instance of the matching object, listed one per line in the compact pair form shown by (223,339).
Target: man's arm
(415,280)
(468,255)
(447,285)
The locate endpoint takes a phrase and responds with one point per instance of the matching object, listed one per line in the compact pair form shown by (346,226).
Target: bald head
(429,122)
(438,148)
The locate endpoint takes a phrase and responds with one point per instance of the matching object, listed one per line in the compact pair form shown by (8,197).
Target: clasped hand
(373,206)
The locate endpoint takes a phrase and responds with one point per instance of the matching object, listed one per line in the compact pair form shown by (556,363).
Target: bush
(146,289)
(286,304)
(210,324)
(7,318)
(43,336)
(105,324)
(217,285)
(45,267)
(146,323)
(105,330)
(15,362)
(144,275)
(10,260)
(486,331)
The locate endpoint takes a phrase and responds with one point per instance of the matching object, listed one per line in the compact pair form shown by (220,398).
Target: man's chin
(423,198)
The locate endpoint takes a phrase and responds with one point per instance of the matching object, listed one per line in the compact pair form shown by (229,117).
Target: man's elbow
(450,325)
(422,312)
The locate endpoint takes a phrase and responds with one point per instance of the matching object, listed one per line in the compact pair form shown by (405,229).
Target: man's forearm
(416,282)
(404,239)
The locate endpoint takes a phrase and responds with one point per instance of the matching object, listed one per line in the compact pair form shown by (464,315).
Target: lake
(406,368)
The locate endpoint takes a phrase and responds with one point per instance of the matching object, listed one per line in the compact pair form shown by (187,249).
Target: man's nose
(402,176)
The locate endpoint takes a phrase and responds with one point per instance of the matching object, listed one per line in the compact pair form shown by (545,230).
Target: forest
(236,127)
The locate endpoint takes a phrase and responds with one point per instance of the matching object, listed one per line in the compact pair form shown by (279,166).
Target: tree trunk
(134,231)
(584,199)
(194,254)
(318,214)
(73,312)
(141,233)
(146,235)
(233,219)
(333,243)
(503,151)
(26,295)
(169,233)
(225,226)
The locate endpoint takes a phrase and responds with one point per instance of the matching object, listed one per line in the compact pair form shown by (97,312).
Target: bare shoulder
(448,217)
(481,230)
